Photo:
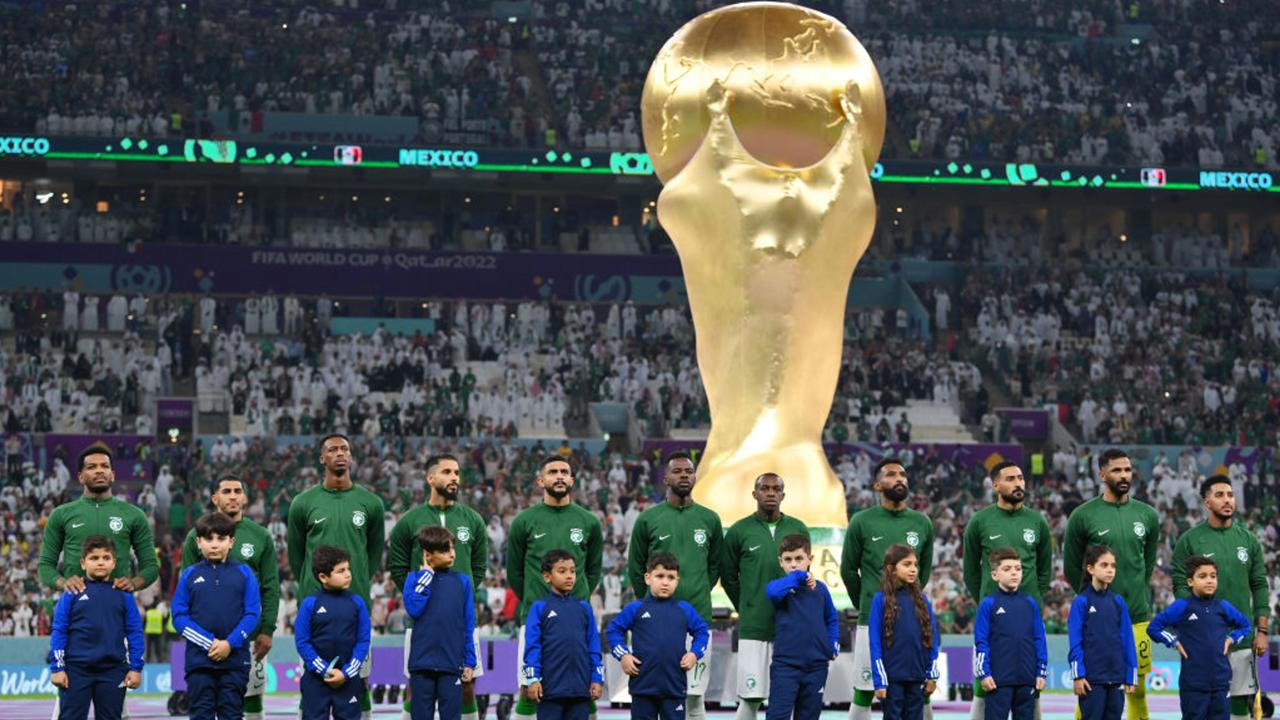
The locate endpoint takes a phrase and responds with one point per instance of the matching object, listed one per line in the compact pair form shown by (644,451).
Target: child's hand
(467,674)
(1082,687)
(988,684)
(534,692)
(882,694)
(334,678)
(60,679)
(631,665)
(688,661)
(809,581)
(929,687)
(220,650)
(133,680)
(1226,646)
(1183,652)
(1039,683)
(596,691)
(1129,689)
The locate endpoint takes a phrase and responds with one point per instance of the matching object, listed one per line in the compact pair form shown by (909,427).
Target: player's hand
(123,583)
(1260,643)
(882,694)
(534,692)
(631,664)
(261,646)
(809,581)
(1130,689)
(73,584)
(468,674)
(1082,687)
(220,650)
(596,691)
(1039,684)
(988,684)
(929,687)
(133,680)
(688,660)
(1183,651)
(60,679)
(334,678)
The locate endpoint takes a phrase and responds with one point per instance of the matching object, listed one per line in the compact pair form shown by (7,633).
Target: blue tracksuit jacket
(808,629)
(1097,619)
(333,625)
(1008,639)
(907,660)
(658,630)
(562,647)
(216,602)
(1202,625)
(444,599)
(90,629)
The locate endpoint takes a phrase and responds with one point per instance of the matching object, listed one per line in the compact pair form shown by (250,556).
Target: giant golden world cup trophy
(763,120)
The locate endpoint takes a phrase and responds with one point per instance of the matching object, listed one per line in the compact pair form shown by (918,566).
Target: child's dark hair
(435,538)
(214,523)
(889,585)
(327,557)
(554,556)
(1195,562)
(1093,554)
(97,542)
(795,541)
(1001,554)
(664,560)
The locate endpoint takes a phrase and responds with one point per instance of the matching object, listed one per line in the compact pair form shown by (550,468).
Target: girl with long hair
(904,638)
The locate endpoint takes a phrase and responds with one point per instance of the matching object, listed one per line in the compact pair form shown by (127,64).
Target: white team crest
(913,538)
(464,534)
(1242,554)
(576,536)
(116,524)
(1029,536)
(700,536)
(1139,529)
(246,551)
(358,518)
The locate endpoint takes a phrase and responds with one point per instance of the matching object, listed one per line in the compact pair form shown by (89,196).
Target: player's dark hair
(331,436)
(889,586)
(435,538)
(327,557)
(435,460)
(554,556)
(553,457)
(217,484)
(880,466)
(1209,482)
(664,560)
(795,541)
(679,455)
(94,450)
(1195,562)
(97,542)
(1109,455)
(1001,554)
(1092,555)
(214,523)
(1001,467)
(762,476)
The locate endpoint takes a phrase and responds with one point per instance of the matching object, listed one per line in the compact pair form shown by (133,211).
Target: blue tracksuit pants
(796,690)
(102,689)
(1204,705)
(435,694)
(217,694)
(320,702)
(653,707)
(903,701)
(1104,702)
(1020,700)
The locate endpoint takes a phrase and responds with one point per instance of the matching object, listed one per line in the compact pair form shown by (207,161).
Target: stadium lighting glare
(44,198)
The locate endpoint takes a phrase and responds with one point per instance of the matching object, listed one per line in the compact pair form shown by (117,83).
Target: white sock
(978,710)
(857,712)
(255,715)
(471,715)
(520,716)
(928,712)
(747,709)
(1239,717)
(695,708)
(404,715)
(366,715)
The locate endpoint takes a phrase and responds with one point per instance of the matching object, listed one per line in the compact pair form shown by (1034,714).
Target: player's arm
(972,559)
(1073,544)
(1178,567)
(296,538)
(58,633)
(1075,636)
(417,591)
(144,548)
(595,557)
(832,621)
(593,645)
(714,545)
(302,637)
(1238,620)
(1158,628)
(252,599)
(269,587)
(1258,584)
(618,628)
(479,551)
(926,556)
(638,554)
(376,533)
(180,610)
(875,635)
(50,549)
(982,640)
(1127,643)
(133,631)
(1038,634)
(516,545)
(850,558)
(730,576)
(399,550)
(697,629)
(469,649)
(364,635)
(1044,558)
(1151,547)
(190,551)
(533,643)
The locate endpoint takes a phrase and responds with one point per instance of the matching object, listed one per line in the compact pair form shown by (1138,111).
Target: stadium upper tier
(1173,84)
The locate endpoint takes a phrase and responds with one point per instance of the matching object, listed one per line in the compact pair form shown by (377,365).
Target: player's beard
(1014,498)
(1119,488)
(558,492)
(896,493)
(681,491)
(444,492)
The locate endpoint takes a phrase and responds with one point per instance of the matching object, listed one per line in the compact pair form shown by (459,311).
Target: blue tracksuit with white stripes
(1097,619)
(659,628)
(1202,626)
(444,601)
(806,640)
(88,643)
(562,651)
(901,669)
(216,601)
(332,629)
(1009,647)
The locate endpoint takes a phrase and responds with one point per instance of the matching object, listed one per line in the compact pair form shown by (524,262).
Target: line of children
(903,637)
(332,633)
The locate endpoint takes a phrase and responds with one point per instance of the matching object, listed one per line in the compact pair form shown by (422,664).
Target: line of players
(743,559)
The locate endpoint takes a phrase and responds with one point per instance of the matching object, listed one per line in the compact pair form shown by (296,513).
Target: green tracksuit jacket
(541,528)
(1024,530)
(350,519)
(255,548)
(1132,530)
(1242,568)
(748,562)
(471,541)
(694,535)
(871,532)
(70,523)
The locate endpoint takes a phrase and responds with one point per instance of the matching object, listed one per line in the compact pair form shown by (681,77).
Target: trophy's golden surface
(762,120)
